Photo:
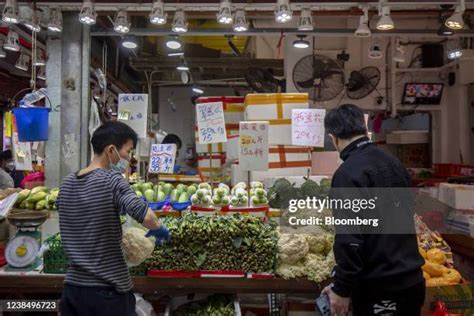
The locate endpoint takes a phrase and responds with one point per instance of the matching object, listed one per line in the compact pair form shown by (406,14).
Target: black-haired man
(89,204)
(380,273)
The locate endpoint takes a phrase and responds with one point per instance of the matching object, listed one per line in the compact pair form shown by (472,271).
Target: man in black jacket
(379,272)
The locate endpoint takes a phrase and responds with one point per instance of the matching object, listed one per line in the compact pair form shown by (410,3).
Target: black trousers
(85,301)
(407,302)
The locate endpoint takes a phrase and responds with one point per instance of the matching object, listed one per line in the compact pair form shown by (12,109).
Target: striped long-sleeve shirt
(89,219)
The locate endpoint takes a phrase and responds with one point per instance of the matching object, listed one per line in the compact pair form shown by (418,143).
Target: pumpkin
(426,275)
(433,269)
(452,276)
(436,282)
(436,255)
(422,252)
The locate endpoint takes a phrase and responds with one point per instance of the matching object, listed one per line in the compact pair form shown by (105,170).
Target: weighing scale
(22,252)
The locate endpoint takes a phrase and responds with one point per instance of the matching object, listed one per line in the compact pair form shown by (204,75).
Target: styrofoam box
(237,175)
(458,196)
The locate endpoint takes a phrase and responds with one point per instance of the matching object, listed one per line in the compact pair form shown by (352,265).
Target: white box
(457,196)
(276,109)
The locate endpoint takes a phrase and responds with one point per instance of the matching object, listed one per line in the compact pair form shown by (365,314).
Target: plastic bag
(143,307)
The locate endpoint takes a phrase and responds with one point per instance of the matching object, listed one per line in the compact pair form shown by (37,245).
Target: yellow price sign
(124,116)
(246,140)
(20,153)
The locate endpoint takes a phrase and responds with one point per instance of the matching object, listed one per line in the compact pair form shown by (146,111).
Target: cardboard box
(458,299)
(458,196)
(325,162)
(276,109)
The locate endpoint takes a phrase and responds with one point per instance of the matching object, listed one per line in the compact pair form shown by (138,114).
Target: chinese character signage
(210,122)
(133,110)
(162,158)
(253,146)
(307,127)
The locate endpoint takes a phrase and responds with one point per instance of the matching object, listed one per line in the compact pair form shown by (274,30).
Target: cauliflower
(317,267)
(136,247)
(290,271)
(320,244)
(292,248)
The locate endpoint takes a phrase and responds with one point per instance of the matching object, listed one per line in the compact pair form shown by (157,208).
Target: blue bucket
(32,123)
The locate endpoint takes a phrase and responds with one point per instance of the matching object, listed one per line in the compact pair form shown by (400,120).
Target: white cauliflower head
(320,244)
(292,248)
(290,271)
(317,267)
(136,247)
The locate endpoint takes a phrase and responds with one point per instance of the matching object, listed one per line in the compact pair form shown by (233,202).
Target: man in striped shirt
(90,202)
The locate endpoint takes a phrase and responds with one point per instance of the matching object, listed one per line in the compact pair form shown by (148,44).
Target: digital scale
(22,252)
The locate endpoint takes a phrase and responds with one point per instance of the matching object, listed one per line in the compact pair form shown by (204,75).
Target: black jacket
(368,260)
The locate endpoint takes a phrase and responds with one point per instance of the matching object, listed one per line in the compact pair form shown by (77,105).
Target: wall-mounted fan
(263,81)
(362,83)
(320,76)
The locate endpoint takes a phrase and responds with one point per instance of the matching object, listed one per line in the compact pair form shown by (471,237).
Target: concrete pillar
(68,73)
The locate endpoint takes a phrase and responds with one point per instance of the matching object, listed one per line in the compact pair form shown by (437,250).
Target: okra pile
(216,242)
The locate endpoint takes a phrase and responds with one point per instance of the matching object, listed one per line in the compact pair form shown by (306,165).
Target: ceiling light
(40,61)
(179,22)
(55,23)
(3,53)
(283,11)
(158,15)
(32,22)
(88,15)
(173,43)
(224,16)
(301,42)
(182,67)
(130,42)
(363,30)
(306,21)
(41,74)
(121,24)
(198,90)
(399,56)
(454,53)
(176,54)
(22,62)
(13,41)
(443,29)
(375,51)
(385,22)
(240,22)
(456,21)
(10,12)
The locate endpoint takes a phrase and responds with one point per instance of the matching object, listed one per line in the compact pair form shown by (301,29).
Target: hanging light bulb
(13,41)
(375,50)
(283,11)
(301,42)
(41,73)
(456,20)
(121,24)
(175,54)
(32,22)
(385,22)
(240,22)
(158,15)
(399,53)
(22,62)
(173,42)
(130,42)
(88,15)
(198,90)
(306,21)
(3,53)
(179,22)
(363,30)
(224,16)
(10,12)
(182,66)
(55,23)
(40,61)
(453,49)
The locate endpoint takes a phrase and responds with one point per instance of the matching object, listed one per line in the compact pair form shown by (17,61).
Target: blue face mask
(121,166)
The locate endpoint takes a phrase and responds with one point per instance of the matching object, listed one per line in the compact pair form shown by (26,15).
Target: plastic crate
(452,170)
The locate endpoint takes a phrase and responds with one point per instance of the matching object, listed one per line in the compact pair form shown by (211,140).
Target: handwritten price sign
(253,146)
(210,122)
(162,158)
(307,127)
(133,111)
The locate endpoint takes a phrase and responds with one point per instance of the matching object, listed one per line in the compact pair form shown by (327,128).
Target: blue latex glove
(161,235)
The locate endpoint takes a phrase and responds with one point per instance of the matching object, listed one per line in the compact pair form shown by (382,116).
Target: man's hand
(339,304)
(161,235)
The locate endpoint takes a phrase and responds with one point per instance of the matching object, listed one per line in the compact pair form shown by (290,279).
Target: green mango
(23,195)
(30,205)
(35,197)
(40,205)
(183,198)
(161,196)
(150,195)
(23,204)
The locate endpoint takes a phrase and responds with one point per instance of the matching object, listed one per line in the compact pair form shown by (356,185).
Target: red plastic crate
(452,169)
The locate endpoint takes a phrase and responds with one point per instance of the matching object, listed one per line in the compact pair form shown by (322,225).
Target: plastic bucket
(32,123)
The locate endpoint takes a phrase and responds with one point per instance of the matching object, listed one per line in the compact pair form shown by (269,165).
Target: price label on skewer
(124,116)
